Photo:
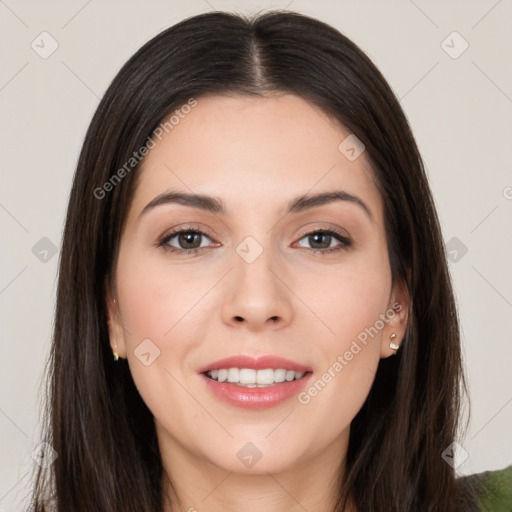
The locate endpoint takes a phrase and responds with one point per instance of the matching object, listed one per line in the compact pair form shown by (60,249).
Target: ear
(115,325)
(397,316)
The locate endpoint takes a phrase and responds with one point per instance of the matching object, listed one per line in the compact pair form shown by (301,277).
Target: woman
(303,352)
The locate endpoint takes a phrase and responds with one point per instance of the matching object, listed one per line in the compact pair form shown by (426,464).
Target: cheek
(348,300)
(158,305)
(157,297)
(349,362)
(161,315)
(351,303)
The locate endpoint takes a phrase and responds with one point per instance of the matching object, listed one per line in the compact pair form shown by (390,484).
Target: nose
(257,296)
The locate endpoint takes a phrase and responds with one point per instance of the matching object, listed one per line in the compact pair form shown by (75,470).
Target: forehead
(255,150)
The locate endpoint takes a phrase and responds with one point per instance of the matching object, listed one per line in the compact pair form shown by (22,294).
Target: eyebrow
(215,205)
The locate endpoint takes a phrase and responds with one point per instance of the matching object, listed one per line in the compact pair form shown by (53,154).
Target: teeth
(233,375)
(250,378)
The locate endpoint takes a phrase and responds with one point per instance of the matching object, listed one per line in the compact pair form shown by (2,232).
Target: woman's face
(255,287)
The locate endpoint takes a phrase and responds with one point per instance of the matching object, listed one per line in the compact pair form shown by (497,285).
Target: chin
(255,457)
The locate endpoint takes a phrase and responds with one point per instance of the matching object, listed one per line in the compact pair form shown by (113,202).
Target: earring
(393,345)
(116,355)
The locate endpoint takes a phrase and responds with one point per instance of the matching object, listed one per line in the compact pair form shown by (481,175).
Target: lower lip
(256,398)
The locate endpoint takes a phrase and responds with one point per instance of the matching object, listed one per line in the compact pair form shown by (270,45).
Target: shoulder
(493,489)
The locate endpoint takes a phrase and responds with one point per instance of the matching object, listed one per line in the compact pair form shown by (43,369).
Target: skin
(256,154)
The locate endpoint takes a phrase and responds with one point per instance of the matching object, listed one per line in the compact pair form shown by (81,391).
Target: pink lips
(255,398)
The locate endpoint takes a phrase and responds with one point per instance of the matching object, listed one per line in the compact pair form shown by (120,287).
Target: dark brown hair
(108,457)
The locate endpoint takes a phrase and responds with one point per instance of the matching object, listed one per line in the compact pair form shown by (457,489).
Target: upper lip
(259,363)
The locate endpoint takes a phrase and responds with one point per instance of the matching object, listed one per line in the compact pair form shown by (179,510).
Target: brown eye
(321,241)
(184,240)
(188,239)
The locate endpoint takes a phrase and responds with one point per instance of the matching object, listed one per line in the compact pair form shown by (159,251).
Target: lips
(260,363)
(250,396)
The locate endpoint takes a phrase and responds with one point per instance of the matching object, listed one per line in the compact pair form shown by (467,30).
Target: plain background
(459,109)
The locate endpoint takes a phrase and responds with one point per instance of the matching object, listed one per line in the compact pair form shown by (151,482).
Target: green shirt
(493,489)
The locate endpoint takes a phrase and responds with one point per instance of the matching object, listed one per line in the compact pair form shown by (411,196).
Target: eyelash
(345,242)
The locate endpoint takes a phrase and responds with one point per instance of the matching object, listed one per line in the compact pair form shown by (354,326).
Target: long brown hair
(96,421)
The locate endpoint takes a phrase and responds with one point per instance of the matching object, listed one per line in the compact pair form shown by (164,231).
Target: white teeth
(251,378)
(233,375)
(247,376)
(265,376)
(279,375)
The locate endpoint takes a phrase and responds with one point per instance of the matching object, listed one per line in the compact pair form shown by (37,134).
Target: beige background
(459,108)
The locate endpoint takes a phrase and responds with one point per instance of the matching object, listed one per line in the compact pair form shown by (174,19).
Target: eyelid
(322,229)
(187,227)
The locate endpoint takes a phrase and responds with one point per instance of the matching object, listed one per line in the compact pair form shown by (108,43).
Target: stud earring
(116,355)
(393,345)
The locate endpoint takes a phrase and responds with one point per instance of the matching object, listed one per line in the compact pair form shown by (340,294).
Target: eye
(324,238)
(187,239)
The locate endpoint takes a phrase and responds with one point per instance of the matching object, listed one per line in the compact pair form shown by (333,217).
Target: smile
(248,377)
